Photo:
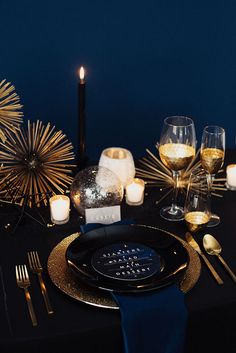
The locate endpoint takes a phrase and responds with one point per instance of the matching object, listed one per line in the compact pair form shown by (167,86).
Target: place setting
(114,263)
(108,264)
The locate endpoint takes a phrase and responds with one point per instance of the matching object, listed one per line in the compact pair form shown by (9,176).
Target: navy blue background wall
(144,61)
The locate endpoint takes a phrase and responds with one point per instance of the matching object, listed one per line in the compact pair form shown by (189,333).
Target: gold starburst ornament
(35,162)
(10,109)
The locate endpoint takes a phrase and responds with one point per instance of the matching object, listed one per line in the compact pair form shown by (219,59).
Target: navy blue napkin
(152,322)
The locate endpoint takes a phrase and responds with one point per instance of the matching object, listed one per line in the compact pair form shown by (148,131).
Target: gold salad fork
(36,268)
(23,281)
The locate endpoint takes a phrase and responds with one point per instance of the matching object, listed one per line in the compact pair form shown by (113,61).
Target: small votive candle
(59,209)
(231,176)
(135,192)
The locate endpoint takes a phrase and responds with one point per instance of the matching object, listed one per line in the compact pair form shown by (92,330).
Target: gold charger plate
(68,283)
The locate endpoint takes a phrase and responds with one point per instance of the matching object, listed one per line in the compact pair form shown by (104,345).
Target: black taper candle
(81,121)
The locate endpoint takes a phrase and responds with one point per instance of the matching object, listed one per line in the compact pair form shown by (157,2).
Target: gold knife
(191,241)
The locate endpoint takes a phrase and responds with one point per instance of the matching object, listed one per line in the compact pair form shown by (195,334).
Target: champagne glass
(197,203)
(212,157)
(177,148)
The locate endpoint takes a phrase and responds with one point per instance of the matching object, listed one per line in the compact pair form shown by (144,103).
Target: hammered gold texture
(64,279)
(68,283)
(193,271)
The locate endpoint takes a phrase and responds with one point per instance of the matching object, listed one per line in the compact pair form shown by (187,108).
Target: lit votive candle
(135,192)
(231,176)
(59,209)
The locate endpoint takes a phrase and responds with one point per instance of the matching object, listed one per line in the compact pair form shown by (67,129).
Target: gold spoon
(212,247)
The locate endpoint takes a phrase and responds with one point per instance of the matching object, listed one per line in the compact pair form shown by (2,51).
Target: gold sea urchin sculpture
(10,114)
(156,174)
(34,162)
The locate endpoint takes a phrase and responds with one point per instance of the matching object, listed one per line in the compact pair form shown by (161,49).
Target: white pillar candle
(231,176)
(59,209)
(135,192)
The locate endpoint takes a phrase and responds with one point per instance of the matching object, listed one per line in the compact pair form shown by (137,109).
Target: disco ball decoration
(96,187)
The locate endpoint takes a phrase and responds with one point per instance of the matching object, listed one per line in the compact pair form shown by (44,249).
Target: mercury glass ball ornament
(95,187)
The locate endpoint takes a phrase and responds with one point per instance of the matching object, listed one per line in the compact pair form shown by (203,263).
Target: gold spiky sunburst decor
(156,174)
(34,162)
(10,114)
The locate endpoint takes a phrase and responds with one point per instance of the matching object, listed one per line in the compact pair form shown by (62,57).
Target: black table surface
(85,328)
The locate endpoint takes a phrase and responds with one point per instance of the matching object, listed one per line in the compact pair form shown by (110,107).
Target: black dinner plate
(127,258)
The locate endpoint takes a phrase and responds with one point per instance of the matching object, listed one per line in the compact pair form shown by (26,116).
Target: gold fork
(36,268)
(23,281)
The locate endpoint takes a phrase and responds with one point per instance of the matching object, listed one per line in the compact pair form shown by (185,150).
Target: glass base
(170,214)
(214,221)
(55,221)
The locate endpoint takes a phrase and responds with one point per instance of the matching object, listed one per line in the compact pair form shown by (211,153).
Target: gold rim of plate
(68,283)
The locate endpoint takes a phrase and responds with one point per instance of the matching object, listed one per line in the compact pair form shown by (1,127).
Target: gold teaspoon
(212,247)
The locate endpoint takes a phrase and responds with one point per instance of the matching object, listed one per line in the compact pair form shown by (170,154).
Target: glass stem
(210,181)
(175,193)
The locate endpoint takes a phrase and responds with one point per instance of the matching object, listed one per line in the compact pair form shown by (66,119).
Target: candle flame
(81,73)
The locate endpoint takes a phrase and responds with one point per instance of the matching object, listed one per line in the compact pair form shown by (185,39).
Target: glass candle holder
(59,209)
(231,177)
(135,192)
(120,161)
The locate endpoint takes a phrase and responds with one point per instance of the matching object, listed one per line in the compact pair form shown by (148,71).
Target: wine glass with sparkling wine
(212,157)
(177,149)
(197,203)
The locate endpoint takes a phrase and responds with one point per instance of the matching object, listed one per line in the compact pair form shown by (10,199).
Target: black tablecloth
(83,328)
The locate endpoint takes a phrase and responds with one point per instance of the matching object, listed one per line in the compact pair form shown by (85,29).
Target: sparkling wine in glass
(177,148)
(197,203)
(212,157)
